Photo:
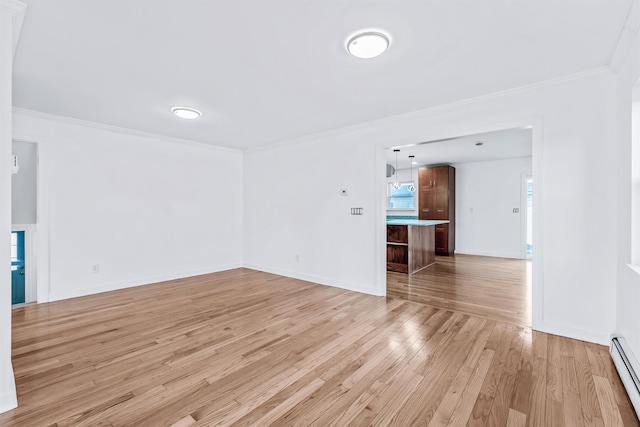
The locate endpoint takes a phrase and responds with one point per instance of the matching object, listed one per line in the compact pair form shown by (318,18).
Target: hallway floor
(493,288)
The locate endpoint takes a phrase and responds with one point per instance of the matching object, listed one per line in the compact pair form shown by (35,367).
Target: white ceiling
(504,144)
(266,71)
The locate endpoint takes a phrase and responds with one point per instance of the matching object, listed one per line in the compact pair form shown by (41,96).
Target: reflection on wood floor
(493,288)
(247,348)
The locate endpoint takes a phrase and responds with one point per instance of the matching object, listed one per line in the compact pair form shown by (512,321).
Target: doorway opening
(488,271)
(24,220)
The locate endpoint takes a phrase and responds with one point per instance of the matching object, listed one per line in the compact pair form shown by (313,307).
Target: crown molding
(627,37)
(17,9)
(438,109)
(118,129)
(389,120)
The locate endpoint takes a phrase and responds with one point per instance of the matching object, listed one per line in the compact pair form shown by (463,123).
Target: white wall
(486,193)
(403,176)
(628,289)
(11,15)
(144,208)
(575,261)
(24,184)
(296,222)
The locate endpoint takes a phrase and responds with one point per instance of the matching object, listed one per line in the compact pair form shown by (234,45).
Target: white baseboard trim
(491,254)
(123,284)
(575,333)
(327,281)
(9,399)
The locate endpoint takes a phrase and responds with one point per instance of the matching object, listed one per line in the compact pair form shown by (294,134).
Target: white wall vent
(628,369)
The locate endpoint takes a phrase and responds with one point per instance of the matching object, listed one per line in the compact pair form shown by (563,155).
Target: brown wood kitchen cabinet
(410,247)
(437,201)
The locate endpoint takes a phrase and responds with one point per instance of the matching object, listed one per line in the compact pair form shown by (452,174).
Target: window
(401,198)
(14,246)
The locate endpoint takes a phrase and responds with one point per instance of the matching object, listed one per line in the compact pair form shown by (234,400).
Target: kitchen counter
(421,222)
(411,244)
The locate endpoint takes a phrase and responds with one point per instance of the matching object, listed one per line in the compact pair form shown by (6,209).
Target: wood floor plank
(502,400)
(187,421)
(587,389)
(554,369)
(537,408)
(570,392)
(610,414)
(516,419)
(499,341)
(469,394)
(381,411)
(521,398)
(554,414)
(243,347)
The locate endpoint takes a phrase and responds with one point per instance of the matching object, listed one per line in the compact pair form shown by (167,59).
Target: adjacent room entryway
(24,222)
(486,200)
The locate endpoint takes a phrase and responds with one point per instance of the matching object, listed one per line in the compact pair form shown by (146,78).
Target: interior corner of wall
(597,337)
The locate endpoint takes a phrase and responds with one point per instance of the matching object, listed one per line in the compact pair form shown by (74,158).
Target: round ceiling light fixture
(186,112)
(368,44)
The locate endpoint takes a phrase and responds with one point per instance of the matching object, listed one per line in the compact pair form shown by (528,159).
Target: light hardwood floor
(493,288)
(249,348)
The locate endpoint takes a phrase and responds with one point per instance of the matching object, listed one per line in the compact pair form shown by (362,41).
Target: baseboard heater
(628,369)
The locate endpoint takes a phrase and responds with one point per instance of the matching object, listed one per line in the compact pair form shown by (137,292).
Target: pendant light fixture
(411,187)
(396,184)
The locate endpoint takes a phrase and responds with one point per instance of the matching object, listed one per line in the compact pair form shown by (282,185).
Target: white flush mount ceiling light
(186,112)
(368,44)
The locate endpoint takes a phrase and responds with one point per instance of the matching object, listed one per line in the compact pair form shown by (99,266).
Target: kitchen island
(411,244)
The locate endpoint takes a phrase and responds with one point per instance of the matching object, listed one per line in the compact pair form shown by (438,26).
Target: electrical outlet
(95,268)
(516,210)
